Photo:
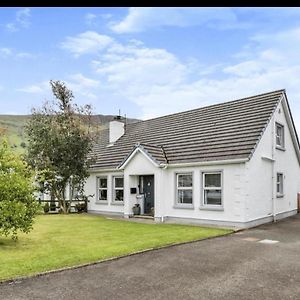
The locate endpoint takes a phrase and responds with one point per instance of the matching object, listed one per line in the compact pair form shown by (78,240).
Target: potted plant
(152,211)
(136,209)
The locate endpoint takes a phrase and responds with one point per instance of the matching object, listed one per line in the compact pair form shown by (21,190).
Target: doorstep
(143,217)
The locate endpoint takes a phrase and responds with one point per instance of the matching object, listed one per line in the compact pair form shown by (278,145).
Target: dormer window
(279,136)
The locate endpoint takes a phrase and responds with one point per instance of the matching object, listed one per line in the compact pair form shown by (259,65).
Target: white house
(231,164)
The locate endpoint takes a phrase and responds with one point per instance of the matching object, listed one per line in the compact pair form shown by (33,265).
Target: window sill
(279,195)
(212,207)
(120,203)
(101,202)
(280,148)
(184,206)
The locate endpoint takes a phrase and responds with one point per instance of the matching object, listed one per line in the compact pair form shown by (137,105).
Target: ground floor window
(102,188)
(184,188)
(212,188)
(279,184)
(118,190)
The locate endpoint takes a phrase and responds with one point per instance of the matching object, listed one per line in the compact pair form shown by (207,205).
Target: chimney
(116,129)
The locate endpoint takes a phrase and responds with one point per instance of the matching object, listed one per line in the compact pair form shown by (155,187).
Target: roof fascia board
(266,126)
(209,163)
(291,125)
(97,170)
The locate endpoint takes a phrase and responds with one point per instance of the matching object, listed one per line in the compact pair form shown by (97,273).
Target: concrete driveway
(260,263)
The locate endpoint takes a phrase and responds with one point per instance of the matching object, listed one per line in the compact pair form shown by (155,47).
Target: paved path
(238,266)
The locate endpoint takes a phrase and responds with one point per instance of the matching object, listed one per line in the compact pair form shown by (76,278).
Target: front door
(148,191)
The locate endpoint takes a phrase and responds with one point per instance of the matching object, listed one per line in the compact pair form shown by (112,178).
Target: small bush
(81,207)
(46,208)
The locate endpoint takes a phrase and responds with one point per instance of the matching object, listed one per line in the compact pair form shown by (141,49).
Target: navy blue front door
(148,191)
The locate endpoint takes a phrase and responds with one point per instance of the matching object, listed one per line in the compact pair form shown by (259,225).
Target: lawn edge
(21,278)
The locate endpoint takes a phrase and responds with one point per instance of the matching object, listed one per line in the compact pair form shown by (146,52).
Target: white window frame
(281,138)
(203,189)
(177,188)
(100,188)
(114,201)
(279,194)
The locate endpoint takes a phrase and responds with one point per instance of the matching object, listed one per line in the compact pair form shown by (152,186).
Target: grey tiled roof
(223,131)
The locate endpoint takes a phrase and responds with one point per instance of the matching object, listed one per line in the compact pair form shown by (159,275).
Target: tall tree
(59,141)
(18,205)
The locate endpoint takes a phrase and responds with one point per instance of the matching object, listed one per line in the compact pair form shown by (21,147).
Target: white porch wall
(140,165)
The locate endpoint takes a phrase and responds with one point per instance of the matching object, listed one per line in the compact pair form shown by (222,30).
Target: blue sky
(148,61)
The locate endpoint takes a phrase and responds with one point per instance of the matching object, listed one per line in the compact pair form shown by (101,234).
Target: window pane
(279,183)
(279,135)
(103,183)
(119,182)
(185,180)
(185,196)
(278,188)
(213,197)
(212,180)
(102,194)
(118,195)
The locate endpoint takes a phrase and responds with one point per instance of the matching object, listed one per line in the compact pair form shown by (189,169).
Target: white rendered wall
(261,178)
(91,189)
(165,190)
(232,193)
(286,162)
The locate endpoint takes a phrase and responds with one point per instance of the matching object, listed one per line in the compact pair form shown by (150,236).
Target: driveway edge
(21,278)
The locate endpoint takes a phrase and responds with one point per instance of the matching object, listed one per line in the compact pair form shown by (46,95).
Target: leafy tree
(59,140)
(18,205)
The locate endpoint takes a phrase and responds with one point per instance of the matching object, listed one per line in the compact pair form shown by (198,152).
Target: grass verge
(59,241)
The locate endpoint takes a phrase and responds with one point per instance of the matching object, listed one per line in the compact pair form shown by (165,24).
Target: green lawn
(58,241)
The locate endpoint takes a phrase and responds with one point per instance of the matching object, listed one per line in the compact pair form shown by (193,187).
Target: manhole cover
(268,241)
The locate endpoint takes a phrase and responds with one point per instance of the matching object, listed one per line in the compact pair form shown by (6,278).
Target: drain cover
(268,241)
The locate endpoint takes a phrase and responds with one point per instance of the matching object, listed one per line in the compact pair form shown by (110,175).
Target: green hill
(12,126)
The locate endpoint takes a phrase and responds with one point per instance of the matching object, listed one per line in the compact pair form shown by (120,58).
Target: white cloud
(84,81)
(22,55)
(89,42)
(159,83)
(90,19)
(31,89)
(5,52)
(82,85)
(78,83)
(9,52)
(23,16)
(143,18)
(39,88)
(22,20)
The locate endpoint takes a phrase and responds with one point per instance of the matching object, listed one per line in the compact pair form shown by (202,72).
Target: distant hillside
(12,126)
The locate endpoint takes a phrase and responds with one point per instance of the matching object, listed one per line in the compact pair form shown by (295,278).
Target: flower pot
(136,210)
